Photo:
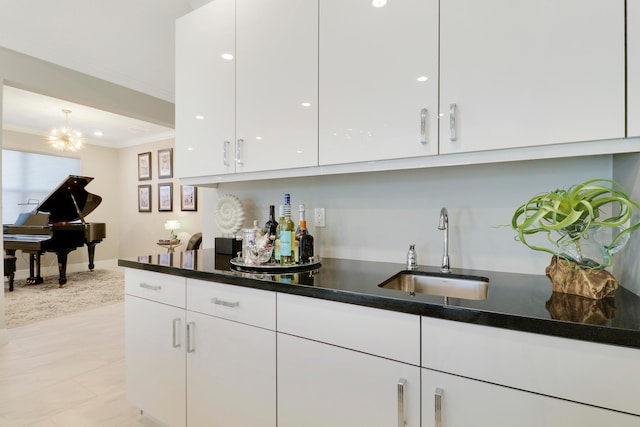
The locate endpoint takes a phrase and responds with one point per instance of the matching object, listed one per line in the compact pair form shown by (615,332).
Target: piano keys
(57,225)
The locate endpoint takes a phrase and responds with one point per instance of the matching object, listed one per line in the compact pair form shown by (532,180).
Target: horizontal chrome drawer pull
(151,287)
(225,303)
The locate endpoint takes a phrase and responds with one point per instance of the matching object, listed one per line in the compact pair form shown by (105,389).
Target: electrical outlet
(318,217)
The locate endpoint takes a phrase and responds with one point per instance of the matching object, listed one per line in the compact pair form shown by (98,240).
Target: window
(27,178)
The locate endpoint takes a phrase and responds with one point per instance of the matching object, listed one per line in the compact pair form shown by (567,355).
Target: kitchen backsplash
(376,216)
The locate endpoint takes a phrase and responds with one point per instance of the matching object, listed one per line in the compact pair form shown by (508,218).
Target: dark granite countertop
(521,302)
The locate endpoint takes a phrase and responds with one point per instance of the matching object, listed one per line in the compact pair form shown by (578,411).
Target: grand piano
(57,225)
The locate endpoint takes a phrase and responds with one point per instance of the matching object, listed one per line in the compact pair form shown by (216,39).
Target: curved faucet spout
(443,224)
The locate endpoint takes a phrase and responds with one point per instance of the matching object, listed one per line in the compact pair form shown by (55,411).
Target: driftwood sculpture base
(571,279)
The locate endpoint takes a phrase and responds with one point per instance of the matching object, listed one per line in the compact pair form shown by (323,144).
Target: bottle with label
(287,234)
(305,249)
(276,249)
(296,247)
(271,225)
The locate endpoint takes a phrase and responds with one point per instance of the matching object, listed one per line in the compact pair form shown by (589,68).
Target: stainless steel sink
(440,284)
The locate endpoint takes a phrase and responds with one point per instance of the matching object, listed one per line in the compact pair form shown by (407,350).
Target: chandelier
(66,138)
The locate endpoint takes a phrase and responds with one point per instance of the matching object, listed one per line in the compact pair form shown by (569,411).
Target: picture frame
(165,163)
(144,198)
(188,198)
(165,197)
(165,259)
(144,166)
(188,259)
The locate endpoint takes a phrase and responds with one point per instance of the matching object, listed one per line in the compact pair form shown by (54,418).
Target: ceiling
(32,113)
(129,43)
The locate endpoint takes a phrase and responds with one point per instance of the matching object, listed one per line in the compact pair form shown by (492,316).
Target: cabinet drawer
(380,332)
(164,288)
(596,374)
(246,305)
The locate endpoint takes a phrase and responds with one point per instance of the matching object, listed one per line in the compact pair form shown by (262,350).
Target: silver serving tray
(241,265)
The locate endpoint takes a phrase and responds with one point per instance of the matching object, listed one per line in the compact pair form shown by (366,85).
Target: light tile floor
(67,372)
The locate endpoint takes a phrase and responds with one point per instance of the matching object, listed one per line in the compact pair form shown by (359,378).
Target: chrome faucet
(443,224)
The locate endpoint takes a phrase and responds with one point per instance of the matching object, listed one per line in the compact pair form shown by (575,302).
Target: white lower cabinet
(346,365)
(322,385)
(155,359)
(453,401)
(200,354)
(231,375)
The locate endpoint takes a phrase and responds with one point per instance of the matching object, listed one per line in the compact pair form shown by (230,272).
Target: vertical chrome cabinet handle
(217,301)
(225,153)
(176,332)
(452,122)
(438,409)
(190,344)
(401,415)
(239,152)
(423,126)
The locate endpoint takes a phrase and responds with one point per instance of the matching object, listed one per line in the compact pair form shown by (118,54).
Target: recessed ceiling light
(422,78)
(306,104)
(199,117)
(227,56)
(97,133)
(378,3)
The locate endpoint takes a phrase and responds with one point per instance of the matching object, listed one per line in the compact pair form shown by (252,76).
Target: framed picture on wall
(144,198)
(188,198)
(165,163)
(165,196)
(144,166)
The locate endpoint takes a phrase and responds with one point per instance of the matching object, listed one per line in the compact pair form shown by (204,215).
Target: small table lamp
(172,225)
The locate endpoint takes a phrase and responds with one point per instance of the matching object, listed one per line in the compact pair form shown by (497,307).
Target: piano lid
(60,206)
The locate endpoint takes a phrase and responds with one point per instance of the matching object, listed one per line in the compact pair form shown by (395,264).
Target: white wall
(141,230)
(375,216)
(626,266)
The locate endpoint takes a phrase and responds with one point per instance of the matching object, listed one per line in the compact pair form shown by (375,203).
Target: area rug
(84,290)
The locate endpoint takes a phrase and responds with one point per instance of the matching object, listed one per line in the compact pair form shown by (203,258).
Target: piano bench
(10,269)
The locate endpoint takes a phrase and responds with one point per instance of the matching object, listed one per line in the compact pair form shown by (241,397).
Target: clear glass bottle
(305,249)
(276,249)
(287,234)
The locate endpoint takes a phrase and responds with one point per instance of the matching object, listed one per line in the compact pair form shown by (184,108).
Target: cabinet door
(277,84)
(205,90)
(155,359)
(465,402)
(231,374)
(633,67)
(320,385)
(526,73)
(378,80)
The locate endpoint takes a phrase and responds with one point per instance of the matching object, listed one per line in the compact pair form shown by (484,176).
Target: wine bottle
(287,234)
(306,244)
(296,248)
(276,249)
(271,225)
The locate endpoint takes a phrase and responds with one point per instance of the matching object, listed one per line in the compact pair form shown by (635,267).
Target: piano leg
(62,266)
(35,278)
(91,249)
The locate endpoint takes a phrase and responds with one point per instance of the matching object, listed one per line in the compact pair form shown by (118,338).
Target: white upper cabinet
(633,67)
(378,80)
(205,90)
(276,84)
(529,73)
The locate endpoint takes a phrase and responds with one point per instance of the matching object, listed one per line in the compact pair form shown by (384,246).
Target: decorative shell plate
(229,214)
